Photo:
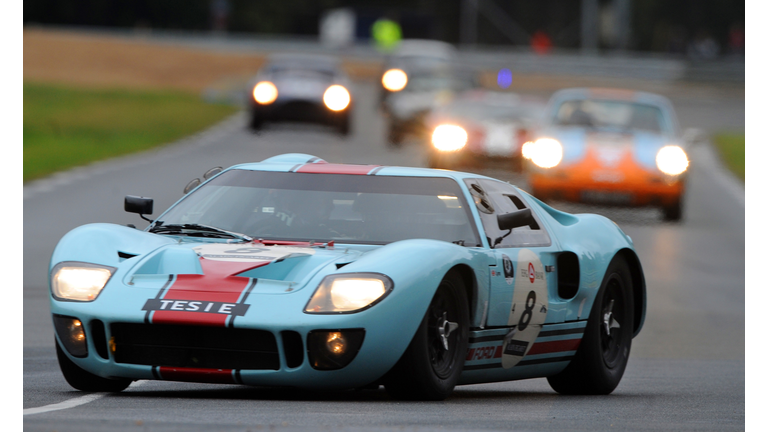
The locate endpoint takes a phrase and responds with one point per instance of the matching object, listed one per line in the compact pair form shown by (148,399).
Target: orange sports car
(612,147)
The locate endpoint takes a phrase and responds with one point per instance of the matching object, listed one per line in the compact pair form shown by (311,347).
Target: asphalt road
(686,371)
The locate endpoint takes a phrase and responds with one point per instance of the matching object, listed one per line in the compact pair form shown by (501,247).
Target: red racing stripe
(220,376)
(327,168)
(554,346)
(216,284)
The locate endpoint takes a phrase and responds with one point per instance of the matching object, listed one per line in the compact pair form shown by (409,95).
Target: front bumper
(630,189)
(268,346)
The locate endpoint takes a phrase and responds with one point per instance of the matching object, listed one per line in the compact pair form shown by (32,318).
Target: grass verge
(731,148)
(66,127)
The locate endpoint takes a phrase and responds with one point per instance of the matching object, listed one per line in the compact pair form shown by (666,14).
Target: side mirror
(140,205)
(191,185)
(212,172)
(516,219)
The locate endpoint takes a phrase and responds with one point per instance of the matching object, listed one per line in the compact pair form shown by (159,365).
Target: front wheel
(433,362)
(674,212)
(86,381)
(601,358)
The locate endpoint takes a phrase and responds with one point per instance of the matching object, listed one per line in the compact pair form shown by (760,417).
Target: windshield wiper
(187,229)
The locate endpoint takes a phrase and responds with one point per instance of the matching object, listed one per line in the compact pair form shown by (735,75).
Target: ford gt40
(300,273)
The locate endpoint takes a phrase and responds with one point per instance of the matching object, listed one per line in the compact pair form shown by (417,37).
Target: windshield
(325,207)
(481,111)
(611,114)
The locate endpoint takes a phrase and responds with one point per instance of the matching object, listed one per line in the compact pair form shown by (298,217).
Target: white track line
(66,404)
(710,162)
(71,403)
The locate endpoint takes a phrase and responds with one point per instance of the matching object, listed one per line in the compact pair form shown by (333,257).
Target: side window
(493,198)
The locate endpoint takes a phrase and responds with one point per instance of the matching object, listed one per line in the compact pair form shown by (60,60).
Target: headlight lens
(544,152)
(672,160)
(336,97)
(79,281)
(265,93)
(350,292)
(449,138)
(394,80)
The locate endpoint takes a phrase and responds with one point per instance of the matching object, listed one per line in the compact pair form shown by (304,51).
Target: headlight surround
(349,293)
(672,160)
(78,281)
(336,97)
(265,93)
(449,138)
(544,152)
(394,80)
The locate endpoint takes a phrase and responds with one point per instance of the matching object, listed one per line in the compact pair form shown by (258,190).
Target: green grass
(67,127)
(731,148)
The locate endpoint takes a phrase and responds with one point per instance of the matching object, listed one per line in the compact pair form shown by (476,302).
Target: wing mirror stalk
(516,219)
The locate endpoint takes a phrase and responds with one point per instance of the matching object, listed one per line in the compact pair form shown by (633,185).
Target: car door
(521,272)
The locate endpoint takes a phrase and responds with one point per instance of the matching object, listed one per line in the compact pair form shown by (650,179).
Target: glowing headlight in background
(348,293)
(449,137)
(544,152)
(336,98)
(394,80)
(265,93)
(79,281)
(672,160)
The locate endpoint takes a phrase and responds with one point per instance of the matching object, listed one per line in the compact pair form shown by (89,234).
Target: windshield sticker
(228,252)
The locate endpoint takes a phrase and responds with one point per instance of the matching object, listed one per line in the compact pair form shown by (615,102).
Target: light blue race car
(300,273)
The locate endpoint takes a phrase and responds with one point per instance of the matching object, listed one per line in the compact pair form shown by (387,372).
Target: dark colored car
(304,88)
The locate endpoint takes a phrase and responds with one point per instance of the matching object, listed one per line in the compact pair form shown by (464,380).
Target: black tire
(256,123)
(395,136)
(674,212)
(599,363)
(343,125)
(86,381)
(427,370)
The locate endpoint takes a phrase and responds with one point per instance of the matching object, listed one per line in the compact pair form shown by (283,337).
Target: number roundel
(530,303)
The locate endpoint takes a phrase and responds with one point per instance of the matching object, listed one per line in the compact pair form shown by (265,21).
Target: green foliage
(67,127)
(731,148)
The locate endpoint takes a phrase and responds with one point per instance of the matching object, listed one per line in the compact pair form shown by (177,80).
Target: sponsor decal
(213,307)
(483,353)
(516,347)
(509,270)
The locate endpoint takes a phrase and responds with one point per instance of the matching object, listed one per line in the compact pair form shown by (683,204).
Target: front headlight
(351,292)
(449,138)
(79,281)
(394,80)
(672,160)
(544,152)
(265,93)
(336,97)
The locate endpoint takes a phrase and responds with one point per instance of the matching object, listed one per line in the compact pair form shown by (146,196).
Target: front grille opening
(194,346)
(294,349)
(99,339)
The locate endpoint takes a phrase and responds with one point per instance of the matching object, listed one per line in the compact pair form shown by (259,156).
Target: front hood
(283,268)
(609,149)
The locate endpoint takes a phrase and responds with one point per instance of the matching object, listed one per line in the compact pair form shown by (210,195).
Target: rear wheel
(602,356)
(86,381)
(433,362)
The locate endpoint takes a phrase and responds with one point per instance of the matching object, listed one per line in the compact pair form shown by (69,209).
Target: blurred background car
(301,87)
(406,111)
(413,54)
(610,147)
(482,129)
